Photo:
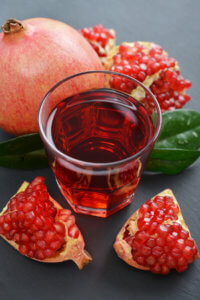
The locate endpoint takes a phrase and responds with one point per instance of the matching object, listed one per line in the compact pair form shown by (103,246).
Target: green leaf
(175,150)
(180,129)
(31,160)
(21,145)
(171,161)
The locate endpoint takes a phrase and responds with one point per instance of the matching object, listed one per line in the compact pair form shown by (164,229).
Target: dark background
(176,26)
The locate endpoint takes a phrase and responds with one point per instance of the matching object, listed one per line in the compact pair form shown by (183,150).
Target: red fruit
(35,54)
(168,246)
(101,39)
(150,64)
(51,236)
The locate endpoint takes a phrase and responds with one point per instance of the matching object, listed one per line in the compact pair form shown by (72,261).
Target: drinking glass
(98,129)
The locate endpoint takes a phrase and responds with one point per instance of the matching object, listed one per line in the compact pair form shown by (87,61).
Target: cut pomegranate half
(38,227)
(150,64)
(155,238)
(101,39)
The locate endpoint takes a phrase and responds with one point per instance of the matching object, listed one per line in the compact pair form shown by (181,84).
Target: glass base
(103,213)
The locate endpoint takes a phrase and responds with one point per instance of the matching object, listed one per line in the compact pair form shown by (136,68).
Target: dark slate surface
(175,25)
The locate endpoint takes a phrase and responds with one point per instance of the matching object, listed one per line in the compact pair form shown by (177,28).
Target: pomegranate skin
(32,60)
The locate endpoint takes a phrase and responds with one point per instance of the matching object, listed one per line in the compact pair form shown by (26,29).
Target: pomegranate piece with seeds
(101,39)
(155,238)
(151,65)
(38,227)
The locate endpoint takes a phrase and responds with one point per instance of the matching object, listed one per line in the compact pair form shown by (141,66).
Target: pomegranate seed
(160,241)
(73,231)
(140,260)
(59,227)
(176,252)
(164,269)
(156,269)
(145,250)
(41,244)
(55,245)
(188,252)
(181,268)
(150,260)
(157,251)
(141,236)
(189,242)
(180,244)
(24,238)
(50,236)
(144,208)
(39,254)
(162,259)
(23,249)
(151,242)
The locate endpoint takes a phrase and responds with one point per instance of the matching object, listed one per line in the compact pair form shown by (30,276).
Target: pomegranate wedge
(155,238)
(151,65)
(38,227)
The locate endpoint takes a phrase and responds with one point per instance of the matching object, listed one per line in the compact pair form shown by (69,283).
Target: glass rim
(91,164)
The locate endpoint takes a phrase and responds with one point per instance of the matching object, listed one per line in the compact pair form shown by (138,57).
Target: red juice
(100,129)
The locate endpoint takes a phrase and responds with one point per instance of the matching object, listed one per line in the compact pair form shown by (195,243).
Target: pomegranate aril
(27,207)
(156,269)
(157,251)
(55,245)
(24,238)
(146,251)
(6,226)
(181,261)
(39,235)
(140,260)
(38,222)
(189,242)
(59,227)
(171,261)
(150,260)
(165,269)
(144,208)
(50,236)
(39,254)
(141,236)
(181,268)
(73,231)
(41,244)
(176,252)
(162,259)
(150,242)
(160,241)
(180,244)
(70,221)
(23,249)
(48,253)
(188,252)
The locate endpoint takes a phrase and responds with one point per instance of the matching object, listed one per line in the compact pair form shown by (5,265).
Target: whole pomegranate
(155,238)
(34,55)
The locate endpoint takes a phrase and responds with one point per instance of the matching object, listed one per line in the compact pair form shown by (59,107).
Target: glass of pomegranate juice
(98,129)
